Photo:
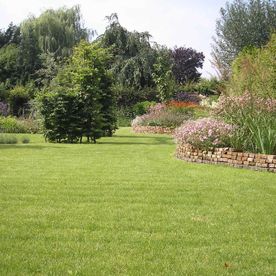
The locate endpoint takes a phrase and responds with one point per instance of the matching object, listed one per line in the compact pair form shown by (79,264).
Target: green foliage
(10,36)
(18,97)
(133,56)
(49,69)
(255,121)
(162,74)
(29,56)
(204,86)
(128,96)
(242,24)
(29,52)
(254,70)
(82,102)
(142,107)
(257,134)
(8,139)
(3,92)
(9,68)
(58,31)
(14,125)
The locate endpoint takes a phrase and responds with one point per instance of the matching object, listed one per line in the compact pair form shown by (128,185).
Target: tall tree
(186,62)
(9,71)
(133,55)
(241,24)
(29,59)
(58,31)
(162,75)
(10,36)
(80,102)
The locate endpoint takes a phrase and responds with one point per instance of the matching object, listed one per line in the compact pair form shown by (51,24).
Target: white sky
(189,23)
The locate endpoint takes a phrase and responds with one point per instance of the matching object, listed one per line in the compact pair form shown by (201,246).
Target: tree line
(77,81)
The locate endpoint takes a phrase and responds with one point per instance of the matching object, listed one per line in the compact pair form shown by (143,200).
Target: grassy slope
(127,206)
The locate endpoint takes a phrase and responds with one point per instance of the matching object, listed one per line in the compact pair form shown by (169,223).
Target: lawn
(127,206)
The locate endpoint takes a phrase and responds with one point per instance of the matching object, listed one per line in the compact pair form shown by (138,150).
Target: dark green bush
(25,140)
(203,86)
(142,107)
(82,102)
(18,98)
(3,92)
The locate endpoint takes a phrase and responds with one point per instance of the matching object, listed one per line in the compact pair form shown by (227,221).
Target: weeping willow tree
(133,55)
(51,36)
(57,31)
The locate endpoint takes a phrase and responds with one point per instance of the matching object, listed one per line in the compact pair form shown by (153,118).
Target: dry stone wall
(227,156)
(153,129)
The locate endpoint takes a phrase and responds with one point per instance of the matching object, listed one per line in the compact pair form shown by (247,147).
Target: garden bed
(227,156)
(153,129)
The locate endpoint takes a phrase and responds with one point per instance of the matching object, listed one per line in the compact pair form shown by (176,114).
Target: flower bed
(227,156)
(165,117)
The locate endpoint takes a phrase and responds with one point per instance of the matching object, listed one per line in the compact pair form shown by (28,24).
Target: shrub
(7,139)
(255,118)
(3,92)
(18,98)
(142,107)
(204,133)
(14,125)
(254,70)
(171,115)
(204,86)
(128,96)
(25,140)
(82,103)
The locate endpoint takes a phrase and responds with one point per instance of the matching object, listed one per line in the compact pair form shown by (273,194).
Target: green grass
(127,206)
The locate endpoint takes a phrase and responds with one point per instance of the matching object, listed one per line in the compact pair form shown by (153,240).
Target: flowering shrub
(187,97)
(204,133)
(229,106)
(256,121)
(169,115)
(165,118)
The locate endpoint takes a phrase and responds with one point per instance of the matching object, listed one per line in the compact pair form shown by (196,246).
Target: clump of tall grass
(255,119)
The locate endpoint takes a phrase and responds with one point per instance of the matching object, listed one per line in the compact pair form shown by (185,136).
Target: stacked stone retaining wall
(153,129)
(227,156)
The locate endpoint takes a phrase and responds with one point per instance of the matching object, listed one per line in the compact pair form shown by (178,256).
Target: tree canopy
(186,62)
(241,24)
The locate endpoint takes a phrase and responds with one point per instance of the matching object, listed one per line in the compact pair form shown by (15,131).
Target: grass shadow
(16,146)
(155,141)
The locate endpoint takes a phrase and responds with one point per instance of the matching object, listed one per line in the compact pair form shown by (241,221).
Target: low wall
(153,129)
(229,157)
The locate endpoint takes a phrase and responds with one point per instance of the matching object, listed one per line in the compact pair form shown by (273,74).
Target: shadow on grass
(143,137)
(155,141)
(16,146)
